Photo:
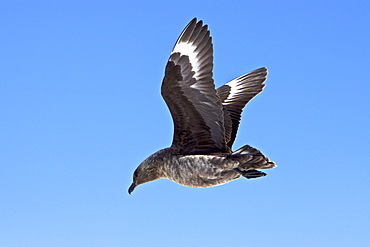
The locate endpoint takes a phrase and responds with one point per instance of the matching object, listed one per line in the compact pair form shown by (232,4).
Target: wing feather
(190,94)
(235,95)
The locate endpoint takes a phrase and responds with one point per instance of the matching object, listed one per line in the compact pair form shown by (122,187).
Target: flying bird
(205,120)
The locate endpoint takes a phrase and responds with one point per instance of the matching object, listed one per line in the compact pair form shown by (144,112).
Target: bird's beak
(132,187)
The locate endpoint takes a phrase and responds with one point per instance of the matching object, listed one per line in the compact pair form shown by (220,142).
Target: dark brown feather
(249,85)
(190,94)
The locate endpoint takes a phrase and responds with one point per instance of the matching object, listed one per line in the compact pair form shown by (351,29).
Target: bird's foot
(250,173)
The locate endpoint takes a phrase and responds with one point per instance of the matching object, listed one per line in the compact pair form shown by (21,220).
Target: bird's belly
(202,171)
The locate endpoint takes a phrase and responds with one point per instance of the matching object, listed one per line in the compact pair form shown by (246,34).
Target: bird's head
(147,171)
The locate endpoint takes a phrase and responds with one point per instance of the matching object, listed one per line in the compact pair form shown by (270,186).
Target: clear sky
(80,108)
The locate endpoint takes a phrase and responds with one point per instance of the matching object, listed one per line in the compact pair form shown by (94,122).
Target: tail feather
(251,158)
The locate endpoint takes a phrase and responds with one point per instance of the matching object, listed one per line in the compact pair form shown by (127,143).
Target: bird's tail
(250,159)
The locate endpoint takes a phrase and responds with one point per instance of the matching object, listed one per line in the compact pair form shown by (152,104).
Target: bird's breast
(200,170)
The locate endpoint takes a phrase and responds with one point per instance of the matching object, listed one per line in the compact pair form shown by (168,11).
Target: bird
(205,119)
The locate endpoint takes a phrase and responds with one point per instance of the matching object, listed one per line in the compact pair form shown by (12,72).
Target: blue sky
(80,108)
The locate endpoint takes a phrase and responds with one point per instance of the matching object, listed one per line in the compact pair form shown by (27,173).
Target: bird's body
(195,170)
(206,120)
(209,170)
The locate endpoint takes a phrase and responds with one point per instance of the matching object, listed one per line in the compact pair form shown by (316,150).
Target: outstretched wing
(235,95)
(190,94)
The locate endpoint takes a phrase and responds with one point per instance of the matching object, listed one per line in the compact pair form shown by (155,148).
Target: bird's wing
(190,94)
(235,95)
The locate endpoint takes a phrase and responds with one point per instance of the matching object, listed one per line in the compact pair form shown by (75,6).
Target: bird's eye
(135,174)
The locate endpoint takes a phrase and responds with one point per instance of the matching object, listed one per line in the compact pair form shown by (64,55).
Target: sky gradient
(80,108)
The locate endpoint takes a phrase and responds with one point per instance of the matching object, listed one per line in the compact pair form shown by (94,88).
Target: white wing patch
(235,88)
(187,49)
